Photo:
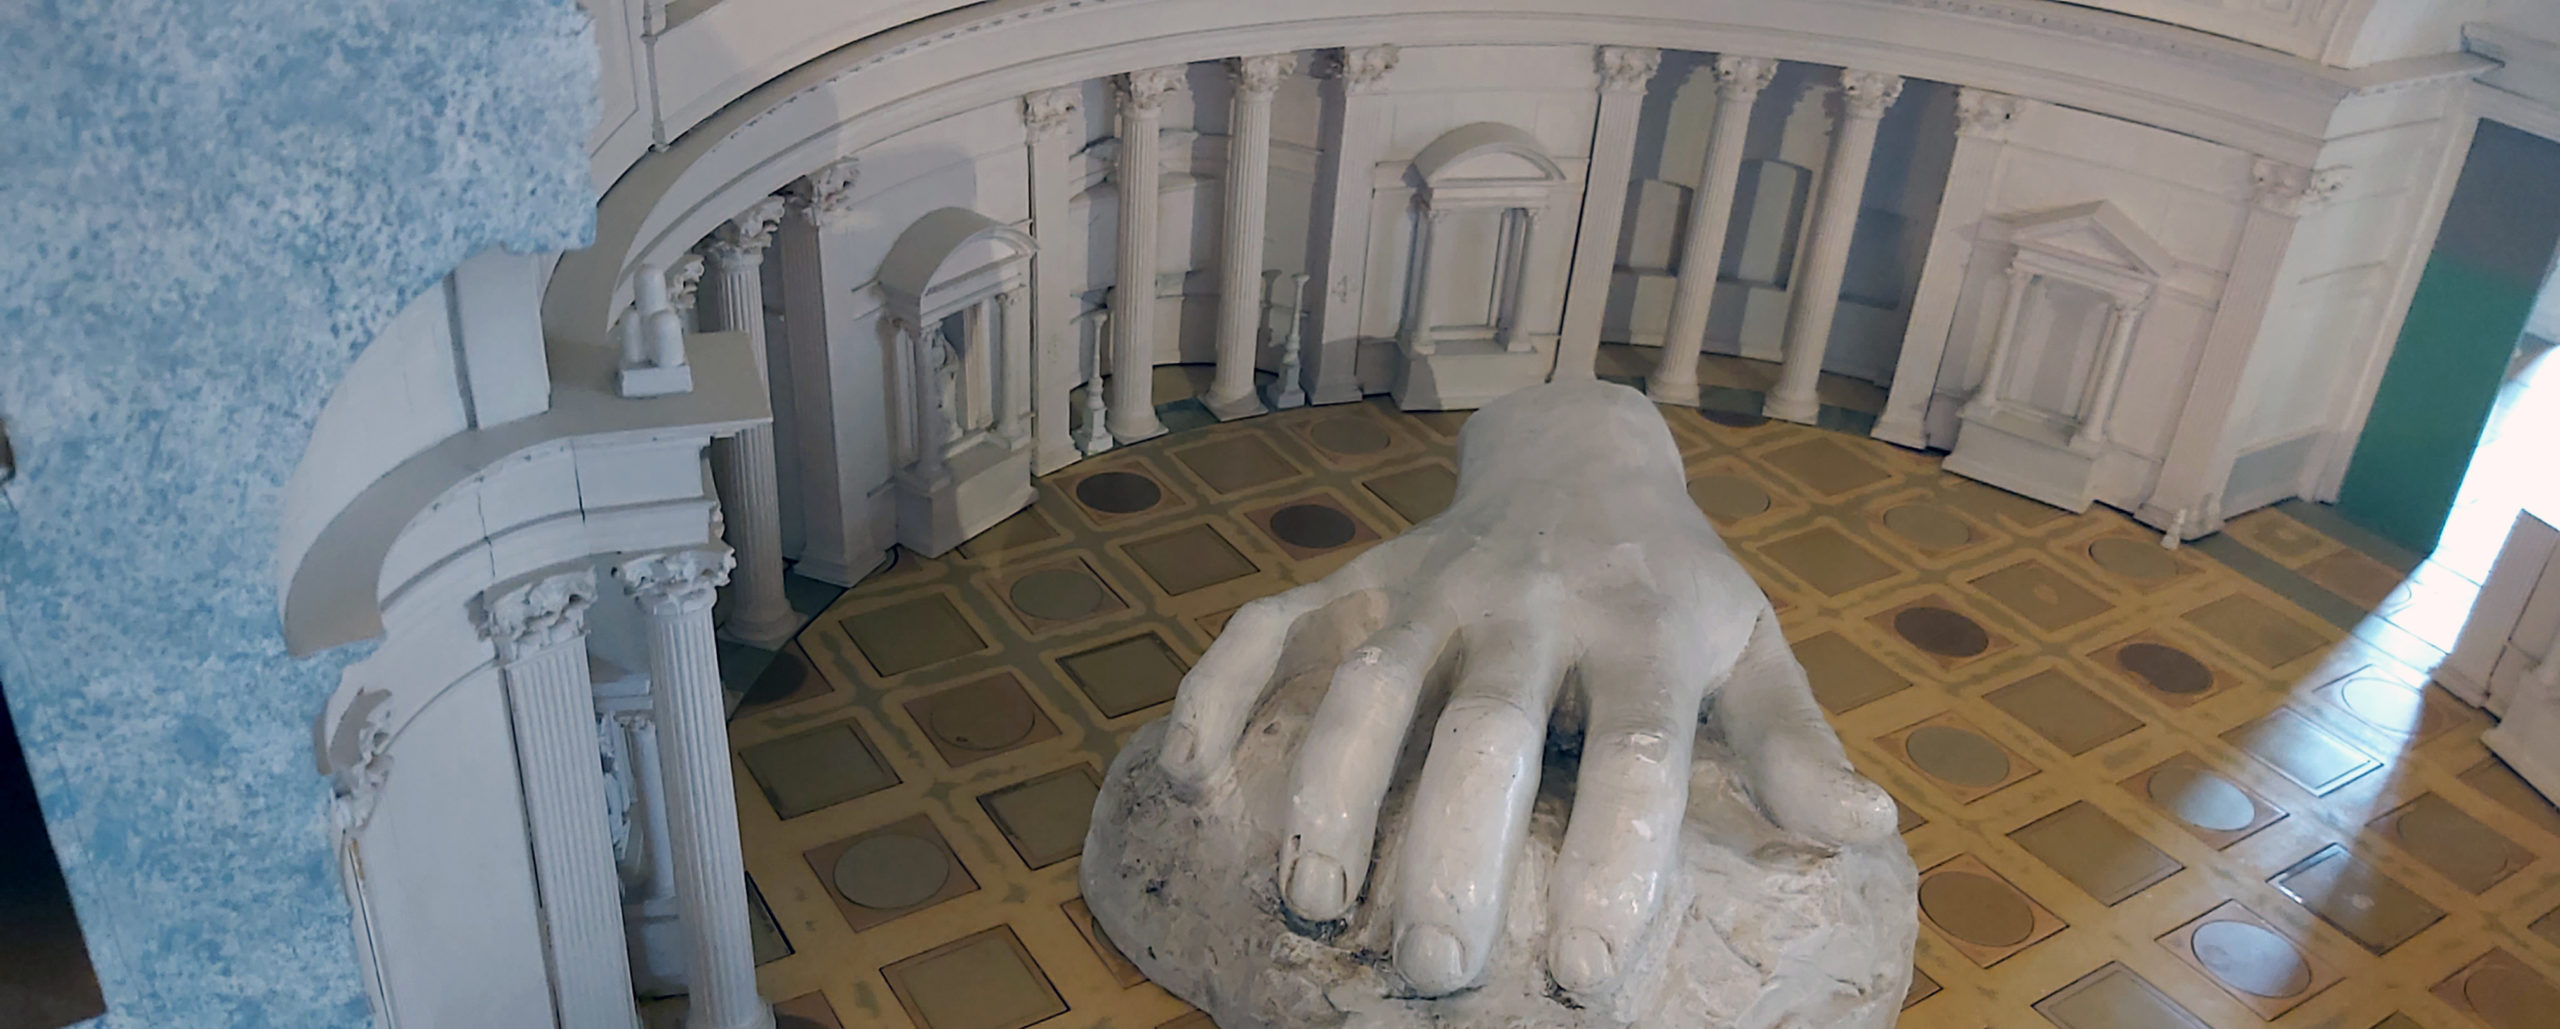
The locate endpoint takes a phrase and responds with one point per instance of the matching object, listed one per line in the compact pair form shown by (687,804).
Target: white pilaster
(1048,126)
(829,505)
(1231,393)
(1739,81)
(1133,349)
(1982,127)
(676,589)
(742,466)
(1624,72)
(1815,296)
(1358,123)
(539,626)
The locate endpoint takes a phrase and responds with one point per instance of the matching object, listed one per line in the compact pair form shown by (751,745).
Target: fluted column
(1359,119)
(1133,349)
(1739,81)
(539,626)
(1815,296)
(1048,126)
(1248,189)
(1624,72)
(742,466)
(676,589)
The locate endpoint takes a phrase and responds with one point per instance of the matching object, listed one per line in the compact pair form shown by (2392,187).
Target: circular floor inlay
(1957,756)
(1977,910)
(1735,419)
(1119,492)
(1940,631)
(1350,436)
(2464,850)
(2510,998)
(2202,799)
(1057,594)
(1728,497)
(2167,669)
(1313,526)
(1929,526)
(2251,959)
(891,871)
(2384,704)
(2133,559)
(986,719)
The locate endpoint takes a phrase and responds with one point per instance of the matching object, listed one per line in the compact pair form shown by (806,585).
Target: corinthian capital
(826,193)
(1981,112)
(1865,94)
(528,615)
(1363,69)
(1260,75)
(740,241)
(683,280)
(1741,78)
(1626,69)
(1143,92)
(2291,189)
(1045,114)
(686,579)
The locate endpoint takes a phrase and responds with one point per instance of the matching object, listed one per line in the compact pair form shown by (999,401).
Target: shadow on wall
(45,978)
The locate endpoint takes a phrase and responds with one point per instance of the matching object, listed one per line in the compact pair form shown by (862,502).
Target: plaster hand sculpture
(1607,795)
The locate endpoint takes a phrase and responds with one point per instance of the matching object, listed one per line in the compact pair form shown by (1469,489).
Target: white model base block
(1466,376)
(1772,932)
(982,485)
(1246,406)
(2018,454)
(654,381)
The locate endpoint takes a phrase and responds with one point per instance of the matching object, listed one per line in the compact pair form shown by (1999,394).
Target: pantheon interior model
(637,514)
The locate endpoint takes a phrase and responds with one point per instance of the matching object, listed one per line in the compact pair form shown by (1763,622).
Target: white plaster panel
(972,160)
(537,484)
(1548,90)
(2298,27)
(446,527)
(497,316)
(400,397)
(615,474)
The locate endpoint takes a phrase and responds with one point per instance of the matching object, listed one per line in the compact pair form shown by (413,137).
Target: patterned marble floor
(2143,787)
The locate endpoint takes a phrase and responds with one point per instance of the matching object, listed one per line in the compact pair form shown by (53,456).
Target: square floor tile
(2384,702)
(806,1011)
(1349,436)
(1237,463)
(819,768)
(2107,861)
(2469,854)
(1844,677)
(1022,529)
(2137,561)
(2370,907)
(2501,991)
(1981,914)
(2313,757)
(1127,675)
(2210,805)
(890,872)
(978,720)
(1958,759)
(2046,598)
(1828,560)
(1045,818)
(2071,716)
(1728,499)
(1925,525)
(1058,593)
(985,981)
(1941,631)
(1189,558)
(1311,525)
(1988,503)
(2251,959)
(764,935)
(1113,962)
(1417,493)
(788,679)
(2270,532)
(905,636)
(2259,632)
(2500,783)
(1922,988)
(2113,997)
(1120,491)
(1825,467)
(2361,580)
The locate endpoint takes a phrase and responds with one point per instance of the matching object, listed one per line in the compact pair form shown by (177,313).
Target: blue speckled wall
(213,204)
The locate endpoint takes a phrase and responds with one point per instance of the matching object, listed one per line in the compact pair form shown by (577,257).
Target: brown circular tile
(2134,559)
(2442,836)
(1350,436)
(1119,492)
(2165,668)
(891,871)
(1727,497)
(2202,799)
(2509,997)
(2250,959)
(1940,631)
(1956,755)
(1978,910)
(1057,594)
(984,719)
(1929,526)
(1734,419)
(1313,526)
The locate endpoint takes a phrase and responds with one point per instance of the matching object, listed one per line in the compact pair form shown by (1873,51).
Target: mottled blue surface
(212,206)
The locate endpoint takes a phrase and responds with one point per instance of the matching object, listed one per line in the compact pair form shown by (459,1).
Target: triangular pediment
(2096,233)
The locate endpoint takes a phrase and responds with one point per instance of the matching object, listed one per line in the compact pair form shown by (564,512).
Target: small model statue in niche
(1543,760)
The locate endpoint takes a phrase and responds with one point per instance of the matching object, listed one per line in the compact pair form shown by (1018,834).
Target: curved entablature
(2182,80)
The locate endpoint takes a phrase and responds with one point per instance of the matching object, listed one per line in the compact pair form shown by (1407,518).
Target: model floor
(2145,787)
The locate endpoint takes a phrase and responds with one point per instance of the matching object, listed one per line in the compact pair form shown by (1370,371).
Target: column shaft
(1738,84)
(1982,125)
(1624,71)
(1231,392)
(1358,123)
(1133,348)
(1814,298)
(1049,122)
(743,465)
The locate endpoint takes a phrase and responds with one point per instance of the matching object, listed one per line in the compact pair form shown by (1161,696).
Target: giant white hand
(1570,586)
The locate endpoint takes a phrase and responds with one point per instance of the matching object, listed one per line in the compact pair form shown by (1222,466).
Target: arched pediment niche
(955,285)
(1484,191)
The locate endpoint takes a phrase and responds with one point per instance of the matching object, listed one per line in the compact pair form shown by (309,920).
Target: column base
(1123,435)
(1228,409)
(1283,396)
(767,632)
(762,1019)
(1666,391)
(1905,432)
(1803,410)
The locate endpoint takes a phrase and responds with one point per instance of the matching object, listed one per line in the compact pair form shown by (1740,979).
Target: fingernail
(1432,959)
(1317,890)
(1583,961)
